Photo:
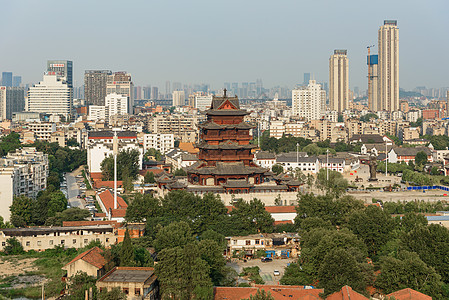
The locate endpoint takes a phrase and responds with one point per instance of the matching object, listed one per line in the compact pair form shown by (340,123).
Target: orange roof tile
(188,147)
(280,209)
(113,223)
(409,294)
(107,199)
(92,256)
(279,292)
(346,293)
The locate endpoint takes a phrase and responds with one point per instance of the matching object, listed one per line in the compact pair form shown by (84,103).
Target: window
(136,291)
(3,244)
(86,241)
(248,242)
(28,243)
(38,243)
(50,242)
(74,241)
(107,240)
(126,291)
(257,242)
(62,242)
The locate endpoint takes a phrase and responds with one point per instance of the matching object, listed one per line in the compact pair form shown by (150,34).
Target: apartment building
(42,130)
(183,127)
(22,173)
(43,238)
(162,142)
(308,102)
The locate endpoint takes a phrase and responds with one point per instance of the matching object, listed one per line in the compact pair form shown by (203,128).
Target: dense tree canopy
(127,165)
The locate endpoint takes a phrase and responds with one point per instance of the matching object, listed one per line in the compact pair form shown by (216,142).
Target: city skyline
(235,46)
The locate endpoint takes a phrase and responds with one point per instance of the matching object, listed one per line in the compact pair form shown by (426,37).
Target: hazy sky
(194,41)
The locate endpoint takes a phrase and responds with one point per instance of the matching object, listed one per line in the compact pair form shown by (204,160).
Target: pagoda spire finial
(224,92)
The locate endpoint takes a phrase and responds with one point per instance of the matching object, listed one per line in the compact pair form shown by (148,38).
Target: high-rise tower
(95,86)
(373,100)
(61,68)
(338,81)
(388,67)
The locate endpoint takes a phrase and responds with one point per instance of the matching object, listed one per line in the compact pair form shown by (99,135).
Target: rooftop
(92,256)
(128,274)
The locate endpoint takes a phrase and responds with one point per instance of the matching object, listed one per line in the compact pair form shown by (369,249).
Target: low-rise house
(285,214)
(134,282)
(408,294)
(407,154)
(91,262)
(292,161)
(278,292)
(106,201)
(280,244)
(43,238)
(333,163)
(346,293)
(265,159)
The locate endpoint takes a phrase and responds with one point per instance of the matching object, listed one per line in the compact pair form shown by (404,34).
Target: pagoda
(225,158)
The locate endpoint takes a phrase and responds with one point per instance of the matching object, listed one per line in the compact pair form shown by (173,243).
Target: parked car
(276,273)
(266,259)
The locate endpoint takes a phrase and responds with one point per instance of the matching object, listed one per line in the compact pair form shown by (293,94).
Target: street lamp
(327,165)
(386,159)
(115,152)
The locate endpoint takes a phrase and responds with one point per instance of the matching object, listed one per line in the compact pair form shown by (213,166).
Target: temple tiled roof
(231,168)
(231,183)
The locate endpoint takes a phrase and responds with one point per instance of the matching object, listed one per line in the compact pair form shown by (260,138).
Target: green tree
(340,268)
(431,243)
(57,203)
(211,252)
(153,153)
(409,271)
(141,208)
(183,274)
(13,247)
(127,251)
(421,158)
(127,165)
(21,211)
(277,169)
(252,216)
(149,177)
(79,283)
(335,186)
(180,172)
(177,234)
(373,226)
(70,214)
(113,294)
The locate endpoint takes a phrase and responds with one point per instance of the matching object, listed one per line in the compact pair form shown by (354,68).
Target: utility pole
(327,166)
(386,159)
(115,152)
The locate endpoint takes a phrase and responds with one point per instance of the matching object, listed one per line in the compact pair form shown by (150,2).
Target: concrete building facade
(12,100)
(339,81)
(308,102)
(162,142)
(51,96)
(95,86)
(388,67)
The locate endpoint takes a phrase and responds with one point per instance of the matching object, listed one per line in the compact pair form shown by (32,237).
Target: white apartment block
(339,81)
(179,98)
(116,104)
(42,130)
(99,146)
(23,172)
(120,83)
(308,102)
(51,96)
(97,112)
(203,102)
(159,141)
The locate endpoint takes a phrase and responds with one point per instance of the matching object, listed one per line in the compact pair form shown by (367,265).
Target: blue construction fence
(428,187)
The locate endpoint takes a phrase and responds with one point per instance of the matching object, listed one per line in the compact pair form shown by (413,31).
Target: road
(73,189)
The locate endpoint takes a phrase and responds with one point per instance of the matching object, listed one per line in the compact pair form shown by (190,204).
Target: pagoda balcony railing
(225,157)
(225,137)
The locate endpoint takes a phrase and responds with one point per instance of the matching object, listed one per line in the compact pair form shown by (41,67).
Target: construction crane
(370,79)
